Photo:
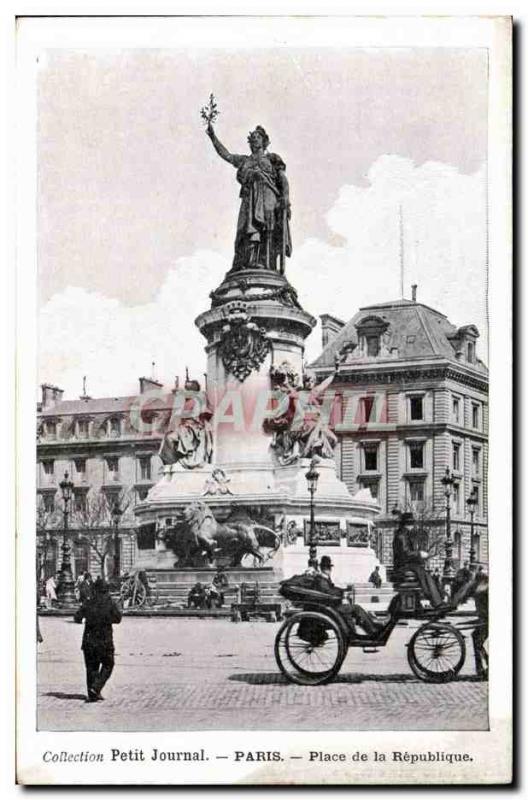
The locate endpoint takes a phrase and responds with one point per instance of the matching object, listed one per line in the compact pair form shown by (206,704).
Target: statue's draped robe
(190,444)
(262,221)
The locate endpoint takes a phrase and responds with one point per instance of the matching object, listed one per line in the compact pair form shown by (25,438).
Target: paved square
(202,674)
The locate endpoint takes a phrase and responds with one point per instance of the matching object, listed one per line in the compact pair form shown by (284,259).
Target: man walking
(100,612)
(375,578)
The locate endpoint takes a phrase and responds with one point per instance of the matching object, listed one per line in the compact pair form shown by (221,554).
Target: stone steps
(173,586)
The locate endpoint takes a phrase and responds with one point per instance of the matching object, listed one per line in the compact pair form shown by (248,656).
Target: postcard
(264,389)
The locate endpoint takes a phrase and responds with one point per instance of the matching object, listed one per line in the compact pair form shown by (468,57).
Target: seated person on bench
(406,558)
(362,618)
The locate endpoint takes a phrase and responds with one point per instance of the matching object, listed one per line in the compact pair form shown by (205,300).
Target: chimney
(414,287)
(84,395)
(51,395)
(148,384)
(330,327)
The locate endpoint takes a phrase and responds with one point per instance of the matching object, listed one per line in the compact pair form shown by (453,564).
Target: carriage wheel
(436,652)
(310,648)
(125,592)
(139,595)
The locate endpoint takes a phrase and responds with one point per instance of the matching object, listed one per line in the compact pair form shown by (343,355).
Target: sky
(137,214)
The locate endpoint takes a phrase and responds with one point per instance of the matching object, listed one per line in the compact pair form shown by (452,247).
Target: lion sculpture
(200,536)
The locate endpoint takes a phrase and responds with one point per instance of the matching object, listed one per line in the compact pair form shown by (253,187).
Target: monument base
(351,564)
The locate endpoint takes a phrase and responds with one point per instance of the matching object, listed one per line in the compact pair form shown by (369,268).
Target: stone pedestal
(256,323)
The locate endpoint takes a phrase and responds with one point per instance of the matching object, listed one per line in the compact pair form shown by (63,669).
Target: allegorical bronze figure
(263,237)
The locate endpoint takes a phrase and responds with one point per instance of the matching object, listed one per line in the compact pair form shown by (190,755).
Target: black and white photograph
(267,350)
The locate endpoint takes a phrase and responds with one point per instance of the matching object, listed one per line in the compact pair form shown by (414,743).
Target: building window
(113,467)
(144,468)
(80,466)
(476,495)
(456,456)
(416,491)
(367,409)
(372,486)
(114,426)
(475,462)
(48,500)
(373,346)
(49,467)
(50,560)
(456,409)
(82,428)
(471,352)
(456,498)
(475,415)
(416,408)
(416,452)
(458,545)
(370,457)
(112,497)
(51,429)
(81,555)
(79,502)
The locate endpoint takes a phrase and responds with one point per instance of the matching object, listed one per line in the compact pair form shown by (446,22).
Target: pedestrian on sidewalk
(39,635)
(51,594)
(100,612)
(375,577)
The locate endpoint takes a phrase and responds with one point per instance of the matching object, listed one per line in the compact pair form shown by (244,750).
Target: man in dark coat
(85,588)
(100,612)
(375,578)
(406,558)
(196,596)
(358,615)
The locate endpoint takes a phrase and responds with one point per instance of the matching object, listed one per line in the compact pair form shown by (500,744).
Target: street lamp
(312,476)
(116,516)
(471,503)
(449,483)
(65,587)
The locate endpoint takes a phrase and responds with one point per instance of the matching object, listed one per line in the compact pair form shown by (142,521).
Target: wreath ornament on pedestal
(244,344)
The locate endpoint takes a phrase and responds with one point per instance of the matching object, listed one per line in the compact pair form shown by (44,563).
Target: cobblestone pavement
(182,674)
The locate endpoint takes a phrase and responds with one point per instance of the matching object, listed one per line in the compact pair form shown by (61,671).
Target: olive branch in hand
(210,112)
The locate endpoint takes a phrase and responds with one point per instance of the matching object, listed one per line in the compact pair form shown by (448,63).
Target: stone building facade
(413,401)
(109,448)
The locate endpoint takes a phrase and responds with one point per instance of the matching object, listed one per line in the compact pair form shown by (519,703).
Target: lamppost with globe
(312,476)
(449,483)
(65,587)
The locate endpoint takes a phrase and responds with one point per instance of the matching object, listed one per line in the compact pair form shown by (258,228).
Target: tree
(94,523)
(47,522)
(428,526)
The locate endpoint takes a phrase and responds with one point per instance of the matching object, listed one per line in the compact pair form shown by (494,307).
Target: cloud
(86,333)
(444,245)
(444,252)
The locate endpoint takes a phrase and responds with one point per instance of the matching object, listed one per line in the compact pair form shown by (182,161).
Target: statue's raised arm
(222,151)
(263,239)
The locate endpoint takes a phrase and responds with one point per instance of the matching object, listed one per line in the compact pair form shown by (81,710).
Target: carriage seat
(300,589)
(410,591)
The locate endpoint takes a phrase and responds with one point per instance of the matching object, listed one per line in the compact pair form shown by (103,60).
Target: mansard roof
(104,405)
(411,330)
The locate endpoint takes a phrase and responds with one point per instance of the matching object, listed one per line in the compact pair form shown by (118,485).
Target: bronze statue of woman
(263,234)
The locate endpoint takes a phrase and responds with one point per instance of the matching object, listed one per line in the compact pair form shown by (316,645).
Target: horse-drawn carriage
(312,643)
